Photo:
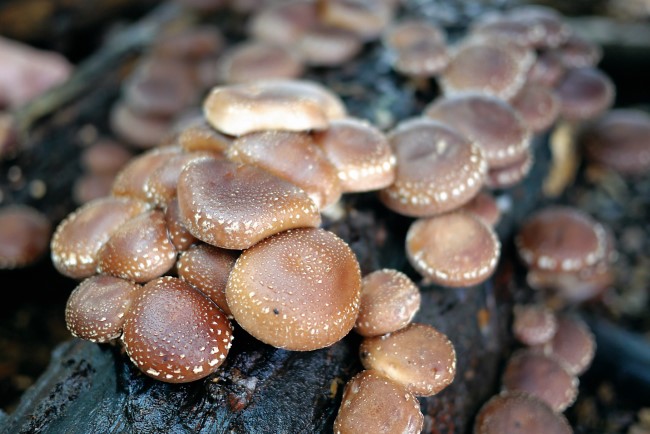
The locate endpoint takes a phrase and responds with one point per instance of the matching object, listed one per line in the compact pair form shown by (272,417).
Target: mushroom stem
(564,159)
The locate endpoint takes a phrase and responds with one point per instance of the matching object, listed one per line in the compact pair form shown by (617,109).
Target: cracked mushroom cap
(173,333)
(487,121)
(293,157)
(79,238)
(418,357)
(438,170)
(258,60)
(584,93)
(297,290)
(455,249)
(573,344)
(533,324)
(389,301)
(24,236)
(207,268)
(96,308)
(373,403)
(234,206)
(360,153)
(140,250)
(513,413)
(289,105)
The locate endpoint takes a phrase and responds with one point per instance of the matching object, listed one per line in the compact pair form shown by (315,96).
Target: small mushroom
(538,107)
(89,187)
(173,333)
(534,324)
(373,403)
(258,60)
(105,157)
(573,345)
(389,301)
(550,29)
(510,175)
(365,18)
(96,308)
(584,93)
(297,290)
(24,236)
(419,48)
(454,249)
(143,131)
(484,206)
(418,357)
(284,23)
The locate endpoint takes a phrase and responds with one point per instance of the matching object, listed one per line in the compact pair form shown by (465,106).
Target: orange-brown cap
(24,235)
(297,290)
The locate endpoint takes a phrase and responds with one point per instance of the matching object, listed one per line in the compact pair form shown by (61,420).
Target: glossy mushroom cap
(234,206)
(454,249)
(160,186)
(207,268)
(438,170)
(389,301)
(584,93)
(533,324)
(180,237)
(78,239)
(24,235)
(360,153)
(519,413)
(373,403)
(173,333)
(561,239)
(418,357)
(96,308)
(140,250)
(541,376)
(573,345)
(487,121)
(200,136)
(297,290)
(257,60)
(291,105)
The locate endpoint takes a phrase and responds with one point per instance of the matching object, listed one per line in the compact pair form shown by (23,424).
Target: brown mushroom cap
(502,28)
(550,29)
(96,308)
(485,67)
(485,207)
(533,324)
(373,403)
(365,18)
(438,170)
(510,175)
(105,157)
(360,153)
(143,131)
(200,136)
(620,140)
(234,206)
(324,46)
(160,186)
(418,357)
(584,93)
(538,107)
(454,249)
(78,239)
(257,60)
(173,333)
(561,239)
(419,46)
(180,237)
(89,187)
(577,53)
(297,290)
(514,413)
(573,345)
(547,69)
(544,377)
(573,286)
(140,250)
(389,301)
(487,121)
(291,105)
(207,268)
(24,235)
(293,157)
(284,23)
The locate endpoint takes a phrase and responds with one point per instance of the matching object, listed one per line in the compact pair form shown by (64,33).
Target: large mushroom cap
(173,333)
(297,290)
(24,236)
(373,403)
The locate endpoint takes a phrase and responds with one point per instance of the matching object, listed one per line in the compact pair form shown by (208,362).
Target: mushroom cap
(234,206)
(365,18)
(485,67)
(533,324)
(173,333)
(550,29)
(573,345)
(519,413)
(291,156)
(578,53)
(89,187)
(105,157)
(290,105)
(620,140)
(24,235)
(180,237)
(584,93)
(454,249)
(96,308)
(284,23)
(258,60)
(538,107)
(140,250)
(389,301)
(418,357)
(326,46)
(438,170)
(297,290)
(573,286)
(207,268)
(419,46)
(373,403)
(411,32)
(200,136)
(561,239)
(542,376)
(510,175)
(78,239)
(502,28)
(547,69)
(487,121)
(143,131)
(485,207)
(192,44)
